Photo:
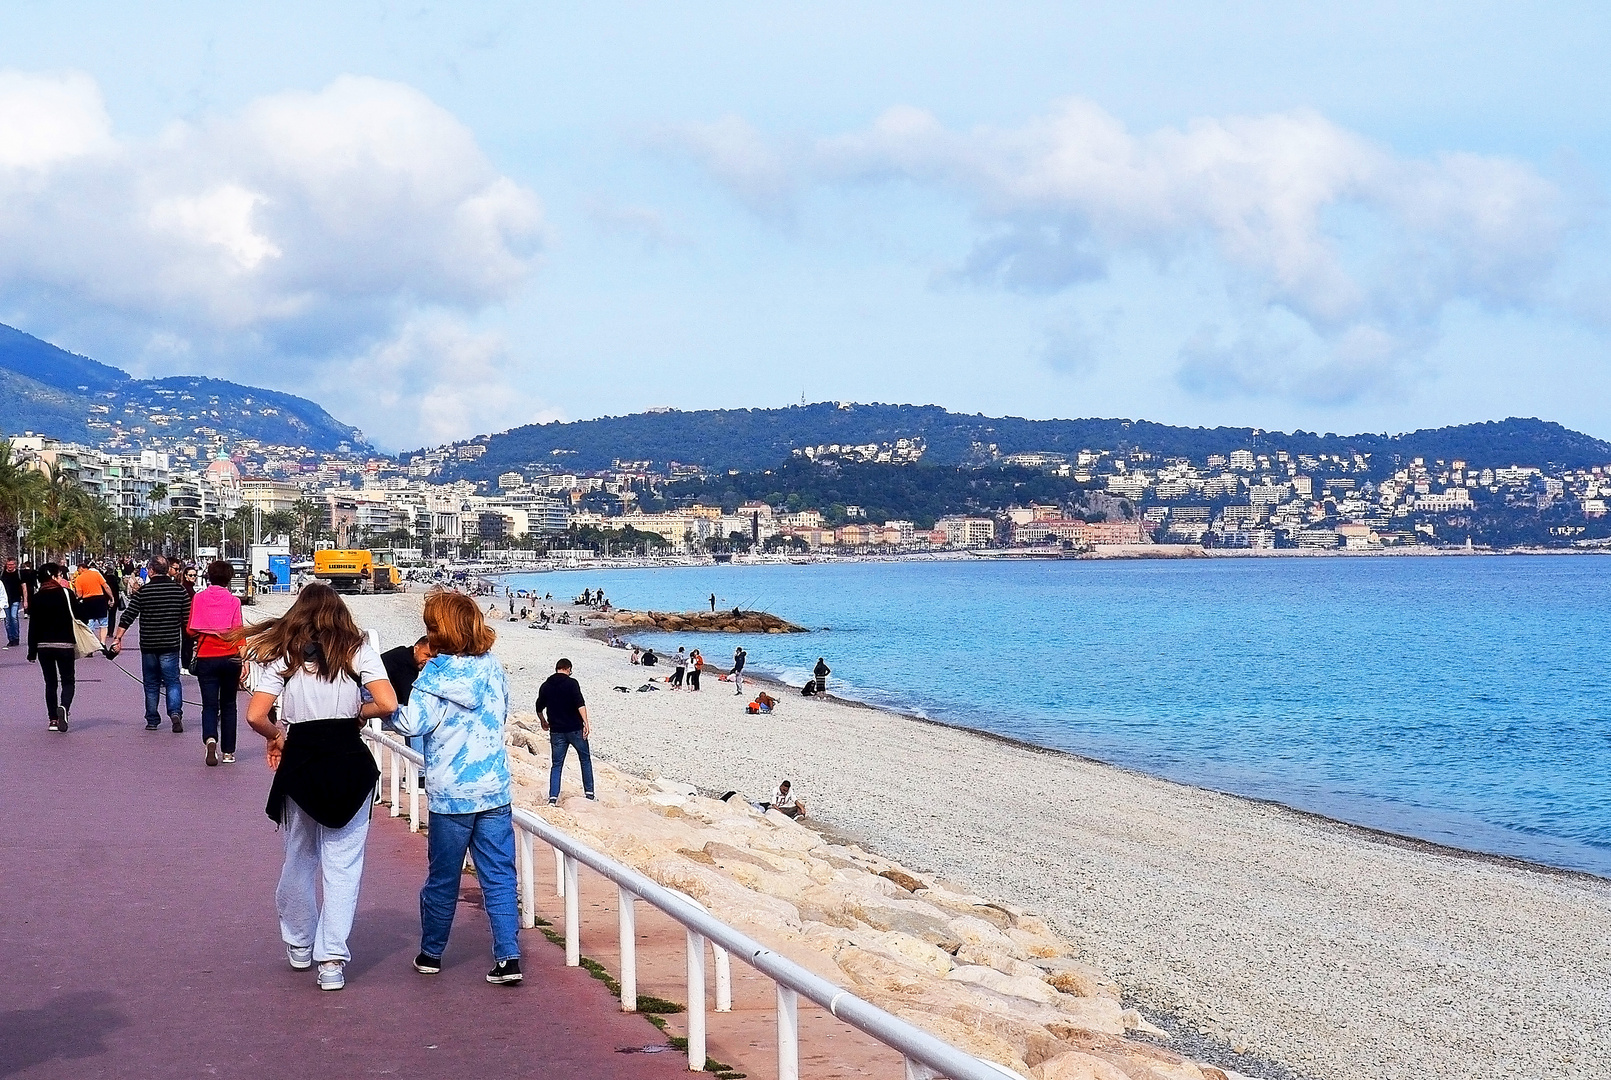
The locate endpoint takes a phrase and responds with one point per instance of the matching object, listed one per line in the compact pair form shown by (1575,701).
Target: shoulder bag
(85,643)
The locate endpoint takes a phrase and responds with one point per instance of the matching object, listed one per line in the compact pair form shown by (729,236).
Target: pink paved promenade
(138,936)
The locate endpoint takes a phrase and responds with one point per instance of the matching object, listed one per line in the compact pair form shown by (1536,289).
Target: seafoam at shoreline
(1336,952)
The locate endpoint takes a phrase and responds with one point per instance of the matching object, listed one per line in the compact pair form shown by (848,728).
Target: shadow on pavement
(67,1027)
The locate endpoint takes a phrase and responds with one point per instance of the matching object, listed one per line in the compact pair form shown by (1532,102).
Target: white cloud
(739,156)
(266,245)
(1298,216)
(48,119)
(438,380)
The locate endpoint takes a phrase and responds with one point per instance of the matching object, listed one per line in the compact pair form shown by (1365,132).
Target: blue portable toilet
(280,569)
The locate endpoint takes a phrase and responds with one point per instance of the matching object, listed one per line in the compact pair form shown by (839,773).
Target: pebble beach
(1266,935)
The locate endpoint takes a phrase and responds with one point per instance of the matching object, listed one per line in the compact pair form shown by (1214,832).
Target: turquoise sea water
(1459,700)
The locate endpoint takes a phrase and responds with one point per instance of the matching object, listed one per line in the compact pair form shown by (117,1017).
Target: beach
(1331,950)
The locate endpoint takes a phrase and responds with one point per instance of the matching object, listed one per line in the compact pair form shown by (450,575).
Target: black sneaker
(153,727)
(178,725)
(428,965)
(55,724)
(61,718)
(507,973)
(212,751)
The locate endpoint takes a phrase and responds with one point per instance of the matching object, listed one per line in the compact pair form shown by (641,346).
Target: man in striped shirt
(163,607)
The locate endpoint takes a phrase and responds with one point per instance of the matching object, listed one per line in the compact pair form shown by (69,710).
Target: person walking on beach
(562,711)
(13,586)
(314,662)
(51,641)
(695,663)
(739,656)
(821,671)
(214,612)
(95,597)
(679,667)
(459,703)
(163,606)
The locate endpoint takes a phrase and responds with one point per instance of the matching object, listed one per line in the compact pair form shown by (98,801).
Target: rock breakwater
(720,622)
(989,977)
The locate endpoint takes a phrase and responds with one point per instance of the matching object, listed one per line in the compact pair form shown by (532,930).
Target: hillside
(54,392)
(751,439)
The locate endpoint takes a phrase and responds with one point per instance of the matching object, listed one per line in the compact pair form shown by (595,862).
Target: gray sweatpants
(314,852)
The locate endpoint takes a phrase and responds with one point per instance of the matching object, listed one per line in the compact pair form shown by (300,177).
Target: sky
(443,220)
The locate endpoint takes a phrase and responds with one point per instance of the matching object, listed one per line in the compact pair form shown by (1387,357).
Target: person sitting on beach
(648,658)
(785,803)
(636,652)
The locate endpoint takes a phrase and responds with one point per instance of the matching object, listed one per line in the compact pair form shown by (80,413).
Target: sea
(1460,700)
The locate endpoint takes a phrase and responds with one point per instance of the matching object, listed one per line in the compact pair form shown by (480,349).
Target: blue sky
(441,220)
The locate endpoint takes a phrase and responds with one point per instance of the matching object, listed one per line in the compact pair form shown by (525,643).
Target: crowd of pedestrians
(314,680)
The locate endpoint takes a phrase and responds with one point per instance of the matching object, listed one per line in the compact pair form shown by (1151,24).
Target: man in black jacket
(163,607)
(562,711)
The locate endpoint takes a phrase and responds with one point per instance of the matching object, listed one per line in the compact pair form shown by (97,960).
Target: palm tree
(279,523)
(19,491)
(310,515)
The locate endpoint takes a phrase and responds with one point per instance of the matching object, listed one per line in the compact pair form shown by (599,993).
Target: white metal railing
(926,1056)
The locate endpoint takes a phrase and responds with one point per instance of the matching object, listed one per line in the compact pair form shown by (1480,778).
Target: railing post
(559,872)
(918,1071)
(413,783)
(393,757)
(528,882)
(696,1002)
(573,915)
(629,950)
(788,1034)
(724,978)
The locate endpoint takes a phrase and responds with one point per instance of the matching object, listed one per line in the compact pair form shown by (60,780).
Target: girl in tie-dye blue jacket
(460,703)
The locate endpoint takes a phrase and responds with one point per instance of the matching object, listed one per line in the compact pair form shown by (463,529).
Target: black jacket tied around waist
(326,770)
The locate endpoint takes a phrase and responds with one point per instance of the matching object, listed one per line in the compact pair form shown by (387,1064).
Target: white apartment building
(967,531)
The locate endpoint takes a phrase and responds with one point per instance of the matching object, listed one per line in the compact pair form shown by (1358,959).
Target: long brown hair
(318,630)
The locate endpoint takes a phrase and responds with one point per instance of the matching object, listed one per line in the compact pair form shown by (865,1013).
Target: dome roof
(223,469)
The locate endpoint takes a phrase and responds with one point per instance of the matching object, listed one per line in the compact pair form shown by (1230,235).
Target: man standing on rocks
(562,711)
(163,607)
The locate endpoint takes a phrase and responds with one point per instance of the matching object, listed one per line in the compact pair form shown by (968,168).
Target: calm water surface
(1461,700)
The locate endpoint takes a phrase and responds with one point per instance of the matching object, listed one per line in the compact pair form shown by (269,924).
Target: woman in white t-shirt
(315,663)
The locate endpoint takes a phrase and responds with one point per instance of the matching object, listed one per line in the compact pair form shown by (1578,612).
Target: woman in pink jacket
(214,612)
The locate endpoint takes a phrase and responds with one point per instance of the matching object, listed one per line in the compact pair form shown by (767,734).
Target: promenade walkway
(138,936)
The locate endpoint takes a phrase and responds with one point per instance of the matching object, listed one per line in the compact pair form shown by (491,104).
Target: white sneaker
(332,974)
(228,759)
(301,959)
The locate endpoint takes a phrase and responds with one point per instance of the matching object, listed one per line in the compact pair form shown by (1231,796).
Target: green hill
(752,439)
(50,391)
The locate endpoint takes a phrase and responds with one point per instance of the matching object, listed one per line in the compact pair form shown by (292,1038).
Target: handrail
(927,1056)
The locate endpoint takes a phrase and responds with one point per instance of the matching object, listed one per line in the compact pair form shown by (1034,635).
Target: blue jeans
(489,836)
(220,678)
(158,670)
(13,622)
(558,743)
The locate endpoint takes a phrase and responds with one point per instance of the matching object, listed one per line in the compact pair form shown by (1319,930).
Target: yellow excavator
(355,571)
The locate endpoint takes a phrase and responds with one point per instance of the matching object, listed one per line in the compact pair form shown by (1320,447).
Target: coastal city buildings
(423,506)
